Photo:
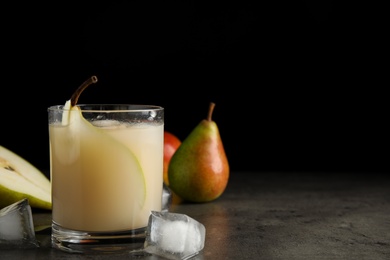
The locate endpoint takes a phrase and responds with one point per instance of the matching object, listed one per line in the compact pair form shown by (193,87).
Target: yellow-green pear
(199,169)
(19,179)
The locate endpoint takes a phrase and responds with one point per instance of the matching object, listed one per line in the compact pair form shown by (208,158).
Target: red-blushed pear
(199,169)
(171,143)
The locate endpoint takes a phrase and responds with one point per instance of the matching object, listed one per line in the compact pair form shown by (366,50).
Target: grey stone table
(265,215)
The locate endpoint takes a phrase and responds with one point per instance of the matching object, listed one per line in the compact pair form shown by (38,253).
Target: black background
(298,85)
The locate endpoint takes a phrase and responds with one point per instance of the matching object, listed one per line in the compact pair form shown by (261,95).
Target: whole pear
(199,169)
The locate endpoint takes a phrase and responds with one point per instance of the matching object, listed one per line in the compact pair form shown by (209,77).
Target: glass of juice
(106,170)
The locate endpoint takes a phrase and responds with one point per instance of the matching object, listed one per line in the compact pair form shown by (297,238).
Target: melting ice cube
(174,236)
(166,198)
(16,226)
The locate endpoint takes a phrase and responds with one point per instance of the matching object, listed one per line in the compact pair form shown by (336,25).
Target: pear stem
(76,94)
(211,109)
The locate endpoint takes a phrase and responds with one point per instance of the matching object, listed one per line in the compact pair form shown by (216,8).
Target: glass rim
(110,107)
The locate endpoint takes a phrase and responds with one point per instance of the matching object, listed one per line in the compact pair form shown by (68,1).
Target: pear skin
(199,169)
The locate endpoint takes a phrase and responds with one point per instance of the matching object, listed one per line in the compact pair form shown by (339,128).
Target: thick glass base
(96,242)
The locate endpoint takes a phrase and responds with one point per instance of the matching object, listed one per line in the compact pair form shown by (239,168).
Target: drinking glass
(106,170)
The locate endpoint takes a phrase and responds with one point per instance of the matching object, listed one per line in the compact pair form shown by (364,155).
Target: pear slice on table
(19,179)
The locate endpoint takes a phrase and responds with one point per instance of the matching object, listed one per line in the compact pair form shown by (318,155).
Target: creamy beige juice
(108,178)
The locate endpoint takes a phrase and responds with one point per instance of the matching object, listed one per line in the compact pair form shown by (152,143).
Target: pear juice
(106,176)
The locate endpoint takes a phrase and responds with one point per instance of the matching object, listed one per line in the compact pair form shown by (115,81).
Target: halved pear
(19,179)
(102,154)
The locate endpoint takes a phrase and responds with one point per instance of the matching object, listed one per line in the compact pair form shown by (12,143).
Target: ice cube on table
(16,226)
(166,198)
(174,235)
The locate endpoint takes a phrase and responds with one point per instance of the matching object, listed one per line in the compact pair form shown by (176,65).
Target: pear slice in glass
(66,113)
(84,139)
(102,154)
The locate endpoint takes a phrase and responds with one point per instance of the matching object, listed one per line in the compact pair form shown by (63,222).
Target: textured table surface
(265,215)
